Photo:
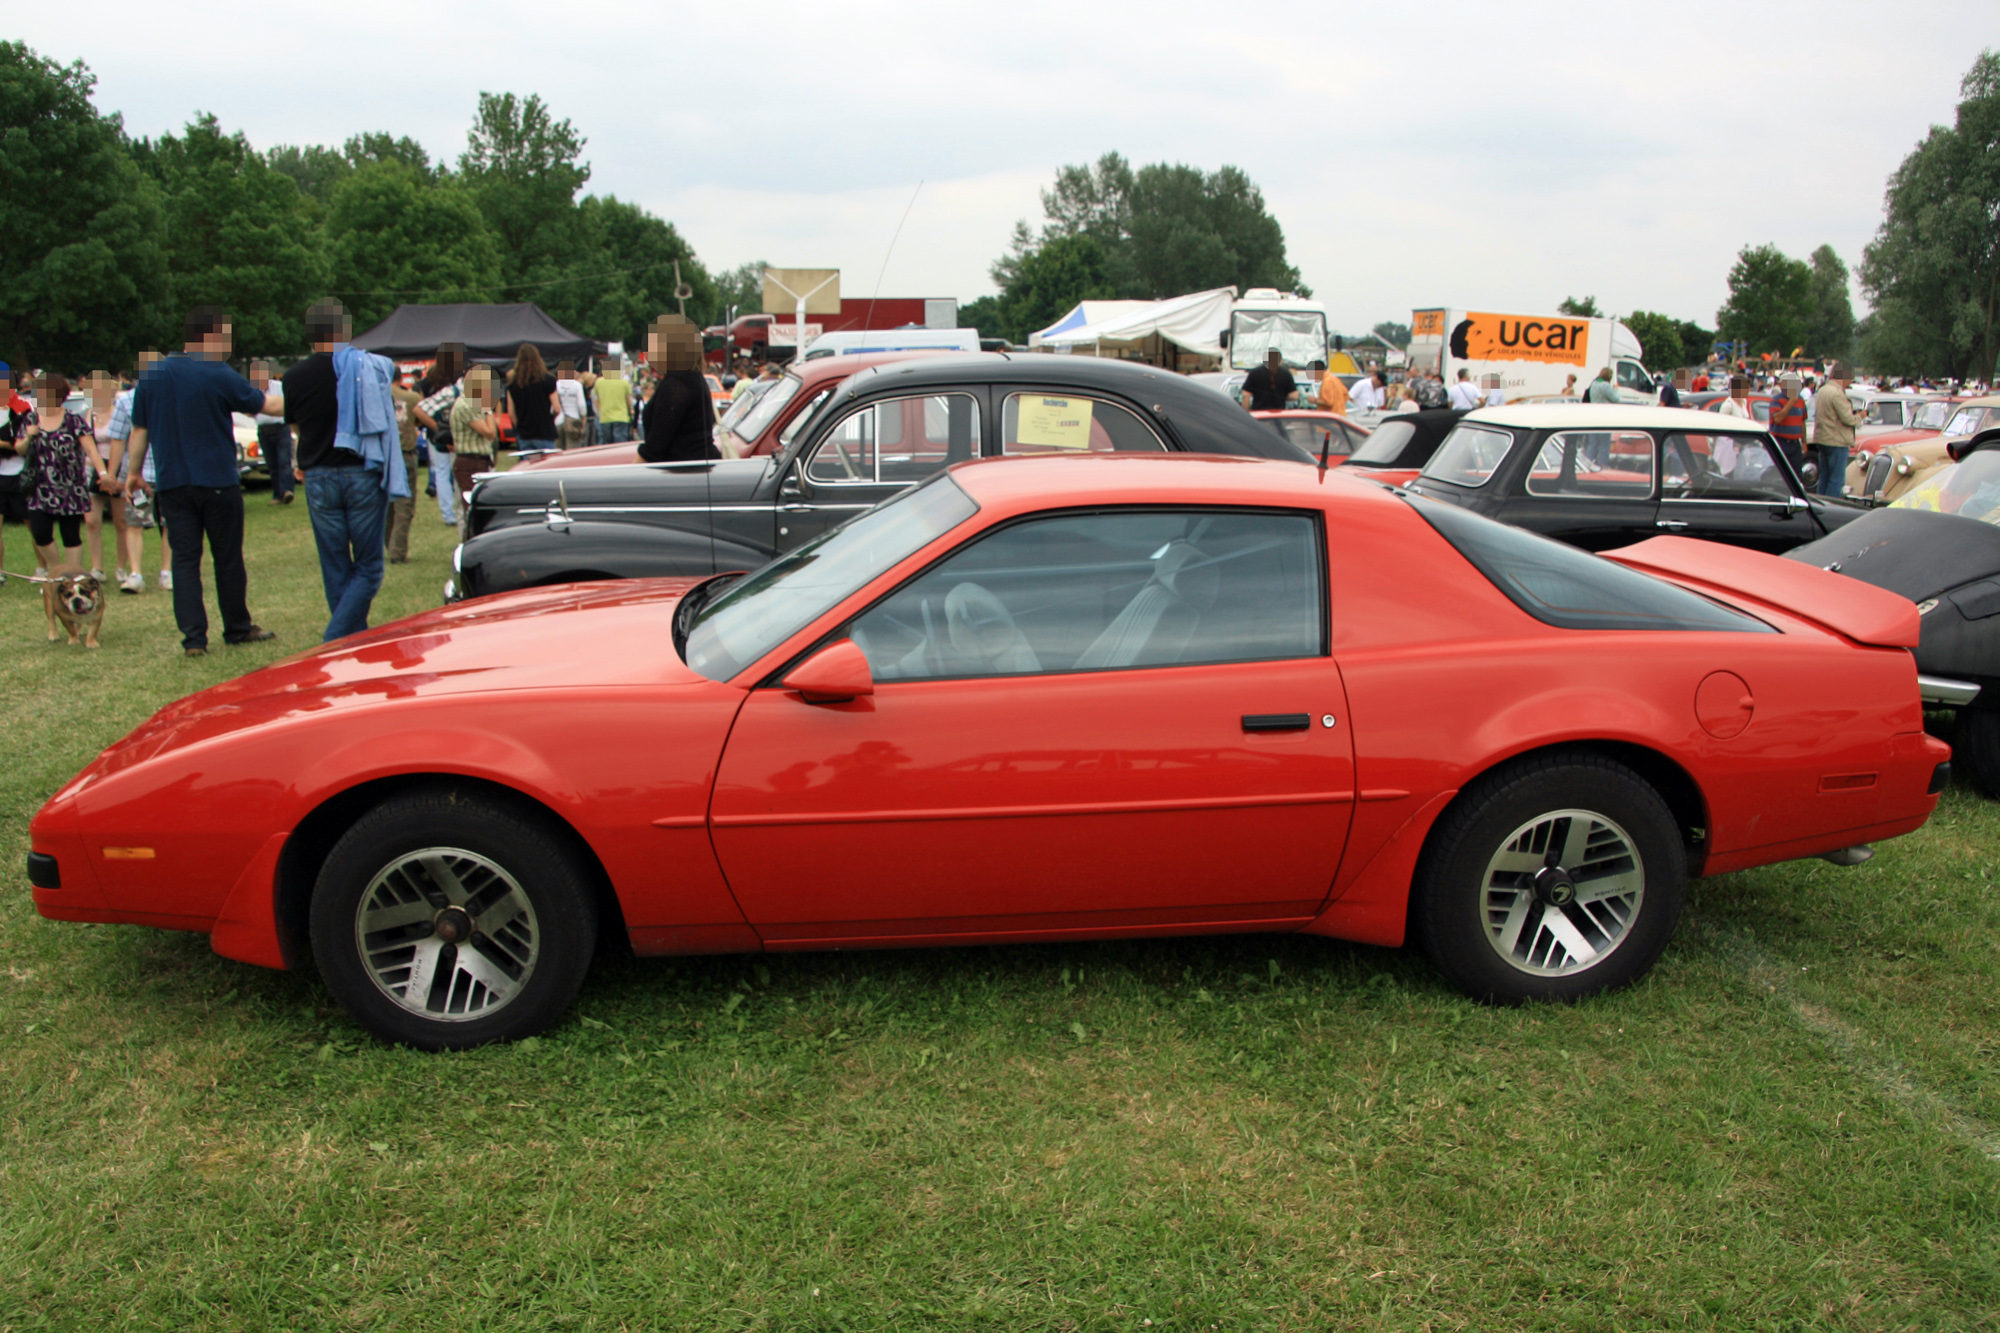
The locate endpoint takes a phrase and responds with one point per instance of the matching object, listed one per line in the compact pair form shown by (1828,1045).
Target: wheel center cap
(452,925)
(1554,887)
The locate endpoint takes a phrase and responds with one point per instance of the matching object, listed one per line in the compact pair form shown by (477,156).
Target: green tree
(982,314)
(1660,337)
(1770,301)
(741,287)
(1057,275)
(524,168)
(1162,230)
(239,235)
(394,237)
(1583,309)
(625,277)
(1933,269)
(1393,333)
(1830,330)
(83,274)
(315,169)
(1697,343)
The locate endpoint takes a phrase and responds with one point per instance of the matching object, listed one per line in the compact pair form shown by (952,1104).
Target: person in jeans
(531,396)
(439,390)
(350,459)
(613,393)
(182,411)
(1834,424)
(274,441)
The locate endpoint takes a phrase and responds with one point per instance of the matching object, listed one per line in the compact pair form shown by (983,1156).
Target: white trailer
(1534,355)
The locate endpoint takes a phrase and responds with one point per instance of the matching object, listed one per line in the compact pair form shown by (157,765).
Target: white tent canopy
(1191,321)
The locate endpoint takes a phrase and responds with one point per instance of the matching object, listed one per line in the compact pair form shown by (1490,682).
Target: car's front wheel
(1553,878)
(447,918)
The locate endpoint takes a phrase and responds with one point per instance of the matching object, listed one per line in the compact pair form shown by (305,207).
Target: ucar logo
(1484,337)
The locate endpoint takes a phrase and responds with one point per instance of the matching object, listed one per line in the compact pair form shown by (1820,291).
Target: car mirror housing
(835,674)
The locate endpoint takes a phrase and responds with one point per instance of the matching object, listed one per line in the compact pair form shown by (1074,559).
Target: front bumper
(1939,692)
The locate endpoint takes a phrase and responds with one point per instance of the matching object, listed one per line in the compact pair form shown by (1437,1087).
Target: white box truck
(1534,355)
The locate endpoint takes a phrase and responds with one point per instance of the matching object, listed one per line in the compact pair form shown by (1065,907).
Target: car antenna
(1325,446)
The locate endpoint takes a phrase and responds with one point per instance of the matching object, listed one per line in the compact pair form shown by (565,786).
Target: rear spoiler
(1860,611)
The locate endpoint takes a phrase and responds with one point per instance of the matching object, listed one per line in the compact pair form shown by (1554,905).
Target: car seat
(1162,616)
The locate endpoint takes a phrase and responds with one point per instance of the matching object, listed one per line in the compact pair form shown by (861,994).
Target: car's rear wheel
(1553,878)
(1976,747)
(448,918)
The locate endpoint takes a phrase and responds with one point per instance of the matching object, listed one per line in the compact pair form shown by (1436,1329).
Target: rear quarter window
(1469,455)
(1571,589)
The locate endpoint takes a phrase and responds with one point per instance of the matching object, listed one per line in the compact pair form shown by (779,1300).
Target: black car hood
(1909,551)
(719,481)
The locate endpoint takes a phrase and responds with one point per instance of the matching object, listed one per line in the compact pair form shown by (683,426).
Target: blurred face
(217,344)
(103,391)
(47,396)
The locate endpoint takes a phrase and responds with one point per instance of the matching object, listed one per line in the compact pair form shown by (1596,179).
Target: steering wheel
(983,630)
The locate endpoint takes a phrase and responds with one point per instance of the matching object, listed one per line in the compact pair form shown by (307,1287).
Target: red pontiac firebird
(1046,698)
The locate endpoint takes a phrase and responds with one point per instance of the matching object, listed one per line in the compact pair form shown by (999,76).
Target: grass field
(1794,1123)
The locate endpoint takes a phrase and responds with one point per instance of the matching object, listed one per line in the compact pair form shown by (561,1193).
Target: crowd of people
(155,451)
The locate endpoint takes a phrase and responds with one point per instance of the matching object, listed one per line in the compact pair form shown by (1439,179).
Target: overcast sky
(1491,155)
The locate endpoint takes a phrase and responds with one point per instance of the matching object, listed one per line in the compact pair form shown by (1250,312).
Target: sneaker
(97,574)
(167,579)
(121,575)
(255,634)
(194,652)
(132,583)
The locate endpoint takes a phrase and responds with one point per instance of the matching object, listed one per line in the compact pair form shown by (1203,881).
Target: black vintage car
(1404,440)
(1604,475)
(1939,546)
(885,429)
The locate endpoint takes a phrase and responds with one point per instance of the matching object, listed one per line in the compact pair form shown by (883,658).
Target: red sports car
(1077,696)
(1313,430)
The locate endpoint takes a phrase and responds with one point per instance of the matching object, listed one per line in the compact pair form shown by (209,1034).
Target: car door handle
(1276,721)
(1670,524)
(795,507)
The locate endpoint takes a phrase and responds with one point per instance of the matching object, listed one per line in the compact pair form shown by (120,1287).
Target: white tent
(1191,321)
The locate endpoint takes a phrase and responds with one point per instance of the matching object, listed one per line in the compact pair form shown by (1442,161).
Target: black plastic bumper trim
(1940,779)
(43,872)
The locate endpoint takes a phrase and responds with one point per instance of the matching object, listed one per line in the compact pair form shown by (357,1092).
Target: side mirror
(835,674)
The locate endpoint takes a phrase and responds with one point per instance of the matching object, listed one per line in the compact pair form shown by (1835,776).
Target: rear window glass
(1386,444)
(1469,455)
(1571,589)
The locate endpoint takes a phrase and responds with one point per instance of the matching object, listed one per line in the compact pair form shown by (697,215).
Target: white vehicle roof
(1608,416)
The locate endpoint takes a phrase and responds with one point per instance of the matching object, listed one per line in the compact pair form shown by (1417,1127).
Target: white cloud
(1487,154)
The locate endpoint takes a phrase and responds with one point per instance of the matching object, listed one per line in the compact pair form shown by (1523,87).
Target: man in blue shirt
(181,416)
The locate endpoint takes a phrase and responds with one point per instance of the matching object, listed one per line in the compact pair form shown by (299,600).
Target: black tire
(503,966)
(1523,935)
(1976,749)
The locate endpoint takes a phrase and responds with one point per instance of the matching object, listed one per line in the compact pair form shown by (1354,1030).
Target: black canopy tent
(489,332)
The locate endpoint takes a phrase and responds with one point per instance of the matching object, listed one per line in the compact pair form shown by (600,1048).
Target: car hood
(578,635)
(720,481)
(1913,552)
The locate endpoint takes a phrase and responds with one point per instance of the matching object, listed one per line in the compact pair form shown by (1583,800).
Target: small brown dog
(77,600)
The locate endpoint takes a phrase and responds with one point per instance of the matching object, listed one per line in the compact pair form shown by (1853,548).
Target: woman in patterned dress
(64,460)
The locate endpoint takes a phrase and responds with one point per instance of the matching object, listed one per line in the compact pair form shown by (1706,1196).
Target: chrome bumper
(1946,693)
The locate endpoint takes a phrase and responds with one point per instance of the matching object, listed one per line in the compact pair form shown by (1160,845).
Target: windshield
(1469,455)
(763,610)
(1299,336)
(1970,489)
(1969,420)
(771,402)
(1385,445)
(746,397)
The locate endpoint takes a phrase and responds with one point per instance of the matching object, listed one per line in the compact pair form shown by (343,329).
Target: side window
(1630,376)
(1048,423)
(1594,464)
(1311,435)
(897,441)
(1106,591)
(793,426)
(1723,467)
